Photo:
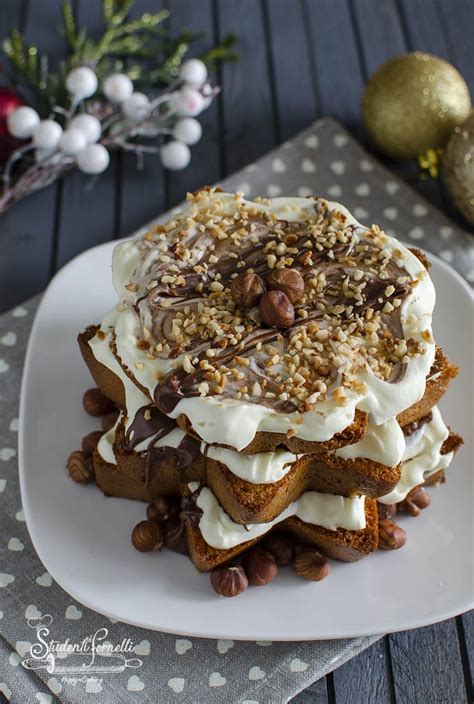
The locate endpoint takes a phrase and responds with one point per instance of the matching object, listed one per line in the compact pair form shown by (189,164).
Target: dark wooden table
(299,60)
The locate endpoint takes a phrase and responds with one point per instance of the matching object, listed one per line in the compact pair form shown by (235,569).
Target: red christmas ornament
(9,101)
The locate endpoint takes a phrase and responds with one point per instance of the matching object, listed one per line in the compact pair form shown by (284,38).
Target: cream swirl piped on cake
(362,332)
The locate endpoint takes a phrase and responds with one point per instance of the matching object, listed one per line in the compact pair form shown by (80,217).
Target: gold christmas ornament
(413,103)
(458,168)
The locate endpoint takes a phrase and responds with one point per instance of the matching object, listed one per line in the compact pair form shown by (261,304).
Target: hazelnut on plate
(247,289)
(289,281)
(276,310)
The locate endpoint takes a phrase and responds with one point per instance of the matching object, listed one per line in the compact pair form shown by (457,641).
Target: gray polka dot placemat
(156,667)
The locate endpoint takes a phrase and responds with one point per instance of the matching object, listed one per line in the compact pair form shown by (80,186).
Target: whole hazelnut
(162,509)
(108,421)
(247,289)
(415,501)
(310,564)
(147,536)
(386,510)
(282,547)
(90,441)
(175,536)
(289,281)
(391,536)
(80,467)
(229,581)
(260,567)
(96,403)
(276,310)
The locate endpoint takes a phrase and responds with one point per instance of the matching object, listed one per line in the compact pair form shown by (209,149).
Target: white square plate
(83,538)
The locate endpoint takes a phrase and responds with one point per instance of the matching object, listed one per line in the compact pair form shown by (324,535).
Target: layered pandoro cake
(269,383)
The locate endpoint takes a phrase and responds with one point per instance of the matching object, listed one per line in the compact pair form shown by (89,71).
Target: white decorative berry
(93,159)
(81,82)
(175,155)
(189,101)
(72,141)
(193,72)
(187,130)
(22,121)
(89,125)
(136,107)
(118,87)
(46,135)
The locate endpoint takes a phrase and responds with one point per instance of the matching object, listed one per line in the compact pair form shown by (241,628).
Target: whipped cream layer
(220,418)
(325,510)
(105,446)
(422,457)
(260,468)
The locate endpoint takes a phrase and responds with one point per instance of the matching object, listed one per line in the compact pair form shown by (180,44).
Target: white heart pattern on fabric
(419,210)
(417,233)
(391,213)
(13,425)
(362,190)
(278,165)
(216,679)
(392,187)
(340,140)
(22,647)
(4,367)
(176,684)
(44,698)
(360,213)
(54,685)
(73,613)
(224,645)
(142,648)
(338,167)
(135,684)
(15,545)
(44,580)
(19,312)
(312,141)
(305,191)
(20,516)
(256,673)
(4,690)
(93,686)
(32,611)
(9,340)
(6,579)
(244,188)
(335,191)
(6,453)
(251,167)
(297,665)
(14,659)
(366,165)
(273,190)
(445,232)
(447,255)
(308,166)
(182,645)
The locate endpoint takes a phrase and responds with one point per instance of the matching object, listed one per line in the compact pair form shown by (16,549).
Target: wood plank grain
(87,215)
(27,228)
(142,191)
(295,93)
(379,31)
(458,22)
(427,665)
(423,27)
(205,166)
(337,62)
(466,635)
(370,672)
(316,693)
(249,127)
